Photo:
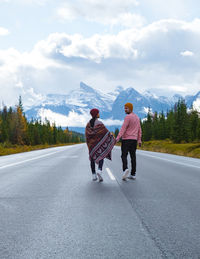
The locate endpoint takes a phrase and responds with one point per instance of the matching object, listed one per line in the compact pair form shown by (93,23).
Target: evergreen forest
(15,129)
(180,125)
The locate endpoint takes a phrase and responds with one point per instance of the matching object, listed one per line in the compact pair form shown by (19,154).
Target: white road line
(27,160)
(110,174)
(179,163)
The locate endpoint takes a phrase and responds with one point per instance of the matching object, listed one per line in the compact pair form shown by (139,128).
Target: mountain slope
(73,109)
(141,103)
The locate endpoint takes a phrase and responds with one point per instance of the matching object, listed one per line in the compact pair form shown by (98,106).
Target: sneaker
(132,177)
(94,177)
(125,174)
(99,174)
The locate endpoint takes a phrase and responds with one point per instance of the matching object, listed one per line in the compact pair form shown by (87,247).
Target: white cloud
(65,13)
(196,104)
(187,53)
(193,26)
(39,2)
(143,58)
(21,73)
(113,12)
(176,9)
(95,48)
(178,88)
(147,109)
(110,122)
(30,97)
(73,119)
(128,20)
(3,31)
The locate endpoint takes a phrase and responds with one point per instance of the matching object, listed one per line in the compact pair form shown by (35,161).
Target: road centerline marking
(110,174)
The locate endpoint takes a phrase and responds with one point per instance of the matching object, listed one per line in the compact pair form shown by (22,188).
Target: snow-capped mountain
(141,103)
(193,101)
(73,109)
(88,97)
(76,104)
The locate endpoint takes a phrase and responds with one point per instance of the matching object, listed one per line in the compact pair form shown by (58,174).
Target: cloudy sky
(49,46)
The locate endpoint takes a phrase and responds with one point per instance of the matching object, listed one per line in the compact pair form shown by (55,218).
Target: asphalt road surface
(50,207)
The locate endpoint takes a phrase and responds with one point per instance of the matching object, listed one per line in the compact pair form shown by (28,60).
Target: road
(50,208)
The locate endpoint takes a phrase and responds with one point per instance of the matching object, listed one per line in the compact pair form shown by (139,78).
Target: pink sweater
(131,128)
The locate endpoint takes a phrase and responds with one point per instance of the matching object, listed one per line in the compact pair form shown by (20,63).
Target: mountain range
(72,109)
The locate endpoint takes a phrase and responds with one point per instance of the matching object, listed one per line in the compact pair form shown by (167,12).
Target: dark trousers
(92,164)
(129,146)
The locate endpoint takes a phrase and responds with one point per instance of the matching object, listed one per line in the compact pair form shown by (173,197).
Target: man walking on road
(130,133)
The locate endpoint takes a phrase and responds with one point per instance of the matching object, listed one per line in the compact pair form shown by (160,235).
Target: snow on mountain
(141,103)
(73,109)
(175,98)
(128,95)
(86,96)
(196,104)
(194,101)
(149,94)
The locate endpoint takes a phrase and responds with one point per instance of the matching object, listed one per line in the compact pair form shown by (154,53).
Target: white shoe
(94,177)
(99,174)
(125,174)
(132,177)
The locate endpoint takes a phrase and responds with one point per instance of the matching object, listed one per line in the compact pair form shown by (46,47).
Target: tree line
(180,125)
(17,130)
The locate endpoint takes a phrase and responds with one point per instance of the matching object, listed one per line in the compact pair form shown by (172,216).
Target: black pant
(92,164)
(129,146)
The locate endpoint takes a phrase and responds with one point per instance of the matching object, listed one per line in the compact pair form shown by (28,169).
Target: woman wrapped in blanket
(100,143)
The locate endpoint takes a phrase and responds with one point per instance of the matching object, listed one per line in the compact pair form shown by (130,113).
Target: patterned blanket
(100,142)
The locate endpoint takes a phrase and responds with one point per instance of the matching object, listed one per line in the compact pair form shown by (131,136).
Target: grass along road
(164,146)
(184,149)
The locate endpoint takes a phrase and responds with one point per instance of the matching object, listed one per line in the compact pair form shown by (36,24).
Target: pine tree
(169,124)
(162,126)
(198,128)
(20,131)
(193,124)
(54,134)
(155,127)
(1,137)
(20,105)
(4,125)
(147,128)
(116,132)
(181,123)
